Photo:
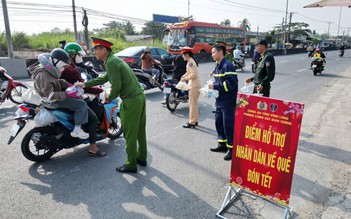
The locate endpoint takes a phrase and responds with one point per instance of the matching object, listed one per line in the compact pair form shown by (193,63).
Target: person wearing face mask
(51,88)
(71,73)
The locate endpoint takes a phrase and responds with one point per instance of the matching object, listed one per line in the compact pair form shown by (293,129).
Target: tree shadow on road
(75,179)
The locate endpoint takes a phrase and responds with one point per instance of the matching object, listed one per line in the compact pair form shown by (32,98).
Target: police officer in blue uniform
(226,82)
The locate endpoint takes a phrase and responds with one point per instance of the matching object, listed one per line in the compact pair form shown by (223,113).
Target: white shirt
(237,54)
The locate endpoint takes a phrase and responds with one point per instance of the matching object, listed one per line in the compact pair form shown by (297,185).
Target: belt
(130,96)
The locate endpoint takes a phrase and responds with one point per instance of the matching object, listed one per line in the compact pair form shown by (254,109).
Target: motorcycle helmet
(238,47)
(74,48)
(318,50)
(59,58)
(147,49)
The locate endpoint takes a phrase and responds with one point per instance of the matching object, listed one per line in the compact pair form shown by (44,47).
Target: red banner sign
(265,144)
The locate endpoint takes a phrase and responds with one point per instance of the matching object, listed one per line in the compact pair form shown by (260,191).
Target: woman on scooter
(52,90)
(192,75)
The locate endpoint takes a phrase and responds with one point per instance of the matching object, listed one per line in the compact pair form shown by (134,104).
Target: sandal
(98,153)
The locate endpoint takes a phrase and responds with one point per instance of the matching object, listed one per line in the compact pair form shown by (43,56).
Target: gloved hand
(73,94)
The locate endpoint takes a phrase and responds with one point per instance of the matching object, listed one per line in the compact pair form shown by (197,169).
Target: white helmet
(147,49)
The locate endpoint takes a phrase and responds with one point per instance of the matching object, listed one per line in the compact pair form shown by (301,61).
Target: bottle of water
(102,97)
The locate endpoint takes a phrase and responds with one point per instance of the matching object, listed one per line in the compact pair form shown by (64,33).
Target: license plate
(314,66)
(14,129)
(167,90)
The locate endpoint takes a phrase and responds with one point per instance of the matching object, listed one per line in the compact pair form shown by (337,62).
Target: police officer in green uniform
(265,70)
(133,107)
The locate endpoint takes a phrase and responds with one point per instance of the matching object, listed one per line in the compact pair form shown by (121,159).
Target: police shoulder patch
(191,64)
(268,64)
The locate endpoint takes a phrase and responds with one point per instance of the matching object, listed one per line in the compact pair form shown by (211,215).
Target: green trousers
(133,120)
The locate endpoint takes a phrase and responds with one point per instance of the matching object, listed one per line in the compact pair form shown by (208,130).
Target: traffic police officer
(226,82)
(265,70)
(133,108)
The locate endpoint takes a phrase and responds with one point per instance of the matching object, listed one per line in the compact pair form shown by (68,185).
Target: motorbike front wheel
(115,130)
(16,93)
(33,149)
(171,101)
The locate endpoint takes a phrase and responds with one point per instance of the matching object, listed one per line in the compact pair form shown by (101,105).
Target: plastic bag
(73,89)
(44,118)
(206,92)
(247,89)
(31,97)
(182,85)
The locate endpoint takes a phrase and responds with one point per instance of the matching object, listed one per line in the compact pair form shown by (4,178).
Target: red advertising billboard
(266,136)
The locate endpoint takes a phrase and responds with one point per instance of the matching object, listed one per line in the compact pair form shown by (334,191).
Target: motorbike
(149,81)
(341,53)
(174,96)
(87,71)
(254,64)
(240,63)
(11,89)
(41,143)
(317,65)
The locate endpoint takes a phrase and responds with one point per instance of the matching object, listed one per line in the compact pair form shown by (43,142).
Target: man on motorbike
(147,62)
(342,50)
(76,54)
(52,90)
(71,74)
(239,56)
(319,54)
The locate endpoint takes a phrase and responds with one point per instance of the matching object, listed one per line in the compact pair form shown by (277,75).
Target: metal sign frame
(233,193)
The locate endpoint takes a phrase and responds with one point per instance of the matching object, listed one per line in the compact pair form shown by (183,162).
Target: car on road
(131,56)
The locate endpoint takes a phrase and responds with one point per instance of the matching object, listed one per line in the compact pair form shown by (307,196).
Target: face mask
(61,65)
(78,59)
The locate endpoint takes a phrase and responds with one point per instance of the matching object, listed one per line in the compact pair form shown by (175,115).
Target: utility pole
(286,18)
(258,27)
(7,29)
(282,36)
(329,28)
(288,37)
(74,21)
(188,8)
(339,22)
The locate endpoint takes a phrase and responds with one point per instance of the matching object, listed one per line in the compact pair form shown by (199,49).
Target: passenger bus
(201,36)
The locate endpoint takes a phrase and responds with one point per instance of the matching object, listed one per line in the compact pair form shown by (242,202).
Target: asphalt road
(183,178)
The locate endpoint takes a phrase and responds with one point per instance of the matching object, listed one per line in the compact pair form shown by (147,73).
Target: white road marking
(284,61)
(301,70)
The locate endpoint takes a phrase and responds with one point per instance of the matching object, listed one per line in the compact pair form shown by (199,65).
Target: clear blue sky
(262,14)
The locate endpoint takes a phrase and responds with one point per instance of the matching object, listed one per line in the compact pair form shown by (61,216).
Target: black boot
(228,155)
(221,147)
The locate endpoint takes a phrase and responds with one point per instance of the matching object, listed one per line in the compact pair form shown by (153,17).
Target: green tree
(128,28)
(269,37)
(153,28)
(20,41)
(299,29)
(183,18)
(245,24)
(226,22)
